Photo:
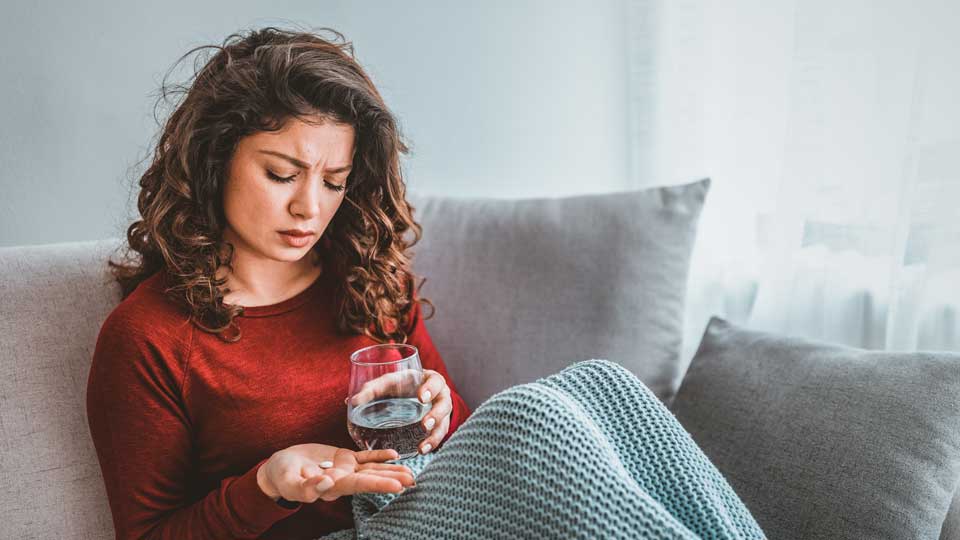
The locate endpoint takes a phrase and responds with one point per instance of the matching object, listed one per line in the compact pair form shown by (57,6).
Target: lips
(297,233)
(296,240)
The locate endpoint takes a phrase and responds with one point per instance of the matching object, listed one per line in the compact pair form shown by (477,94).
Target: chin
(294,254)
(286,254)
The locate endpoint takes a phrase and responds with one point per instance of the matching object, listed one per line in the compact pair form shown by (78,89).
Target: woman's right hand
(295,473)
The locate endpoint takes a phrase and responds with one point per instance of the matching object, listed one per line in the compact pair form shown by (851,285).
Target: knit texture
(589,452)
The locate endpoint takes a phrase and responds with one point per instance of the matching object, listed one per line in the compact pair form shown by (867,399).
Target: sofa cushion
(523,288)
(827,441)
(54,299)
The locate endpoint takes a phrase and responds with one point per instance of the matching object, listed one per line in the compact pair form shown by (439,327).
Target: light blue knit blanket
(589,452)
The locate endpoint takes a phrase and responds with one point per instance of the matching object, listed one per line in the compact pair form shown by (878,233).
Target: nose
(307,201)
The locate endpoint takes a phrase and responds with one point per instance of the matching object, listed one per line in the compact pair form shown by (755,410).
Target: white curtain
(831,130)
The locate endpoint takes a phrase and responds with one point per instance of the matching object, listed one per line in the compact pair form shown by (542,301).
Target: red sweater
(181,420)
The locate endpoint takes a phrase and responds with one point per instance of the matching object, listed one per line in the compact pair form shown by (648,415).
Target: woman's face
(259,201)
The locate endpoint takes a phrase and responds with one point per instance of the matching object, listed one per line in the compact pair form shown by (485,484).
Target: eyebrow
(303,164)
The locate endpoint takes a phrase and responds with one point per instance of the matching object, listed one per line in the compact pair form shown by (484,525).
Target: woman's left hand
(437,422)
(432,390)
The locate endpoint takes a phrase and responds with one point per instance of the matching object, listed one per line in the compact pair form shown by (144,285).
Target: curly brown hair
(254,82)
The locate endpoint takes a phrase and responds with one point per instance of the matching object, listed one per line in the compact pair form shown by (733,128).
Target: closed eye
(281,179)
(334,187)
(288,179)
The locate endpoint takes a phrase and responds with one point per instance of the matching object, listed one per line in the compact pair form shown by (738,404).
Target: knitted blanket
(589,452)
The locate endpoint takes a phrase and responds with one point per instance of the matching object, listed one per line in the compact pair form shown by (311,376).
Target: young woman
(272,245)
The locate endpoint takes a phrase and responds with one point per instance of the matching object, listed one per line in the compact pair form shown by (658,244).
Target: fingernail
(426,397)
(430,423)
(426,448)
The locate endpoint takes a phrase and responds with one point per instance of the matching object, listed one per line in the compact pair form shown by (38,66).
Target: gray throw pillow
(827,441)
(525,287)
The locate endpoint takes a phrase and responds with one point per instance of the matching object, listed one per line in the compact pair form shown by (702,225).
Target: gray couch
(522,289)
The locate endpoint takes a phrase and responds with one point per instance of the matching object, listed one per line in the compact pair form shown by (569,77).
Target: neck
(255,281)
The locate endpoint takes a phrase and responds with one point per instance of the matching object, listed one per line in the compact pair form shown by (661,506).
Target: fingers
(395,383)
(382,386)
(310,470)
(404,477)
(364,473)
(442,407)
(294,487)
(437,421)
(360,483)
(436,436)
(365,456)
(382,467)
(381,481)
(313,487)
(313,482)
(399,383)
(431,387)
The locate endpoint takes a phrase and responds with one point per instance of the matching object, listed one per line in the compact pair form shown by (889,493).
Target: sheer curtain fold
(830,130)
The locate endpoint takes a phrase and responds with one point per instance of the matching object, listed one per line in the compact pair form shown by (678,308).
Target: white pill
(326,464)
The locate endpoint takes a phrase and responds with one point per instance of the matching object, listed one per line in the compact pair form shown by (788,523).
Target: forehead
(309,142)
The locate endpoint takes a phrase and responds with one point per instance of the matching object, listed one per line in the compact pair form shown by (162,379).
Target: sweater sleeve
(430,359)
(142,435)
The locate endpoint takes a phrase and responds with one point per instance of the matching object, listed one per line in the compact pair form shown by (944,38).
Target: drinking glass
(383,410)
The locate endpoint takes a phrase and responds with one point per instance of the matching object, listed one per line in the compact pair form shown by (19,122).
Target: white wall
(503,99)
(831,131)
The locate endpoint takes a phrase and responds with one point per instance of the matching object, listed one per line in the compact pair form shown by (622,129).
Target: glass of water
(383,410)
